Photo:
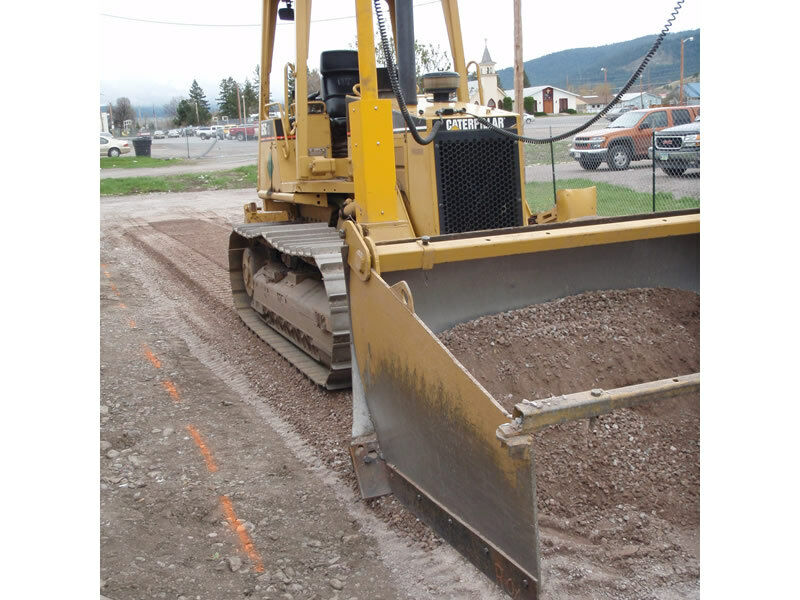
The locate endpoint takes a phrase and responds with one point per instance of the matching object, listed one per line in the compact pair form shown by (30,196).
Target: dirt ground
(225,473)
(618,497)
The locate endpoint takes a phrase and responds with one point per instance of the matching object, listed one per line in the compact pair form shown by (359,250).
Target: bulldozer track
(317,244)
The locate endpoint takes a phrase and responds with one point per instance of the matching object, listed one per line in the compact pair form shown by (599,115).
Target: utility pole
(680,93)
(518,57)
(197,112)
(244,110)
(605,84)
(155,123)
(239,103)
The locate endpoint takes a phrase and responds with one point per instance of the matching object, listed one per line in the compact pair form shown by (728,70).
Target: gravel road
(224,472)
(185,385)
(224,154)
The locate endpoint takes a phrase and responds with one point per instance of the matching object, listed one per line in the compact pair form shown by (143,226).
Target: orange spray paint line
(210,462)
(172,390)
(244,537)
(151,357)
(122,305)
(132,323)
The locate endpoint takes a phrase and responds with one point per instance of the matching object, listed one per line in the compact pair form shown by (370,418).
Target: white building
(492,93)
(640,100)
(589,104)
(549,99)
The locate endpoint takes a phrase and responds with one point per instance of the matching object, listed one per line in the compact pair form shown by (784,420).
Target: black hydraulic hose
(598,116)
(398,93)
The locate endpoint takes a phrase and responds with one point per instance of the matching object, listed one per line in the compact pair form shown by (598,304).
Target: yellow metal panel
(402,256)
(303,20)
(368,76)
(373,159)
(576,203)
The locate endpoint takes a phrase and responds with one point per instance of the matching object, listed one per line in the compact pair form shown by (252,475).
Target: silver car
(110,146)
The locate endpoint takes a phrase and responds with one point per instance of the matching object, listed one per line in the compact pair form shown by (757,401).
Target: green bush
(572,111)
(508,104)
(540,114)
(529,105)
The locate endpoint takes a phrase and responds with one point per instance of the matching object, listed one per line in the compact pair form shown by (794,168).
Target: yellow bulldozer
(386,215)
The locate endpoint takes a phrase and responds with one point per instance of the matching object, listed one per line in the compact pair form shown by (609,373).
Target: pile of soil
(622,490)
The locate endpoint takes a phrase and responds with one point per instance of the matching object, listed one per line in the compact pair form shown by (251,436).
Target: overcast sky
(150,62)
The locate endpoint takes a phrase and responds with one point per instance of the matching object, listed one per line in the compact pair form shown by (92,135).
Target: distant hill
(581,66)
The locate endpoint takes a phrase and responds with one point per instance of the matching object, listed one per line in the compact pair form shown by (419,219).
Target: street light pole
(605,83)
(680,93)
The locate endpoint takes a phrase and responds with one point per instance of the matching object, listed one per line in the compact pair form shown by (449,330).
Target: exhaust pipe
(404,16)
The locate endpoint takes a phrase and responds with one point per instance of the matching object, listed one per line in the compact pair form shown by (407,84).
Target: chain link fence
(617,158)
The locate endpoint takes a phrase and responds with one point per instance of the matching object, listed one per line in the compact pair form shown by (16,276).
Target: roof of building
(636,95)
(486,60)
(530,91)
(692,90)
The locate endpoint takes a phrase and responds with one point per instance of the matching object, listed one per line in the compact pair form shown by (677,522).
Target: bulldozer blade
(437,426)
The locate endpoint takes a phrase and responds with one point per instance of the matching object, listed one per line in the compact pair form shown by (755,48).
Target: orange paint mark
(173,391)
(210,462)
(122,305)
(244,537)
(113,288)
(107,274)
(151,357)
(132,323)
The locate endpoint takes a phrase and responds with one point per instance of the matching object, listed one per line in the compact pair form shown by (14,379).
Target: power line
(181,24)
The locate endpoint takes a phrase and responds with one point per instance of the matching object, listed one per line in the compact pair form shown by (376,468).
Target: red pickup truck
(243,132)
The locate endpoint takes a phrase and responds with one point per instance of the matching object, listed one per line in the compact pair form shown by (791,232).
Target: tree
(185,114)
(228,99)
(171,107)
(122,112)
(525,81)
(508,103)
(427,57)
(198,96)
(527,101)
(250,96)
(313,83)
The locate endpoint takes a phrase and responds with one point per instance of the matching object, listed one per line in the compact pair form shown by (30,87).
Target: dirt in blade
(619,496)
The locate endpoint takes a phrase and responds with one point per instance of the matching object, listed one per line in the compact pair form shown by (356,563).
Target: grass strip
(539,154)
(612,200)
(240,177)
(137,162)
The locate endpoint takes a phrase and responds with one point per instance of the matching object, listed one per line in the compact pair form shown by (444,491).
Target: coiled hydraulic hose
(398,93)
(390,66)
(598,116)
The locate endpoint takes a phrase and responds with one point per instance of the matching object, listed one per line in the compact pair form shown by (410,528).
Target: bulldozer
(387,214)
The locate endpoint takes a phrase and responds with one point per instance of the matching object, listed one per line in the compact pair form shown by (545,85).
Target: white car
(113,147)
(210,131)
(528,119)
(159,135)
(173,133)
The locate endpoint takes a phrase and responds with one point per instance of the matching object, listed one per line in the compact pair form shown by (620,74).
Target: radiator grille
(477,173)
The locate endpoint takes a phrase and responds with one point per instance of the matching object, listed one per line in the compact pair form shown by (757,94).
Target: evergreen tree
(198,96)
(228,100)
(250,97)
(525,81)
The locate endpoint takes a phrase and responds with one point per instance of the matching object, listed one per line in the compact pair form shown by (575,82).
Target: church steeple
(486,64)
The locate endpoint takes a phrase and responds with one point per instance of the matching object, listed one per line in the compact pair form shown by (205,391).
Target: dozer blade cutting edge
(453,455)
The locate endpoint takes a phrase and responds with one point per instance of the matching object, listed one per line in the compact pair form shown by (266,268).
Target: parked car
(188,131)
(677,148)
(210,131)
(174,133)
(617,111)
(628,138)
(144,133)
(528,119)
(159,135)
(242,132)
(110,146)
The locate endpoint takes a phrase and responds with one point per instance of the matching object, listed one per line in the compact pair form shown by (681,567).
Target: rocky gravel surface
(281,443)
(618,495)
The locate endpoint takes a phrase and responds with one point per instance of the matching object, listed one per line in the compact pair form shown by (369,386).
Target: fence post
(553,165)
(653,160)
